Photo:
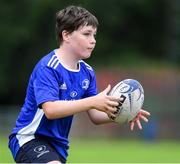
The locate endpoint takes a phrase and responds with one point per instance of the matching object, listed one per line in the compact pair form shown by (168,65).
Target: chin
(86,56)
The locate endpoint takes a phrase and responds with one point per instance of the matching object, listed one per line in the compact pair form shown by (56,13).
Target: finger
(136,117)
(112,103)
(116,112)
(139,124)
(111,116)
(114,98)
(144,112)
(143,118)
(112,109)
(132,125)
(107,90)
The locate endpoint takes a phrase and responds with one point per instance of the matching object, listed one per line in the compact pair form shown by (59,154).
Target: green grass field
(113,151)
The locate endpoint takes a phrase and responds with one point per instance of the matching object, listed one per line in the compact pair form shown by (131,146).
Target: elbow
(95,117)
(95,122)
(49,115)
(48,111)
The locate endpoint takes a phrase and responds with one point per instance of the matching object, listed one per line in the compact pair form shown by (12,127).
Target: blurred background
(136,39)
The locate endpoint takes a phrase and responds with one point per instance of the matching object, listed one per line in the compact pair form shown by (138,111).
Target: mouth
(90,49)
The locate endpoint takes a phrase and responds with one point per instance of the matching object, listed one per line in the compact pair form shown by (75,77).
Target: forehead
(87,28)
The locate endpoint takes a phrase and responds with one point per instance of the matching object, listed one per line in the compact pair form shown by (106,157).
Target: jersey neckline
(65,66)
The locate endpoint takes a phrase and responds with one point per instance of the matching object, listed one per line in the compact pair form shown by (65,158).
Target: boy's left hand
(142,115)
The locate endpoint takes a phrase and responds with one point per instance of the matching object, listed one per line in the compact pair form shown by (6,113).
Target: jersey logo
(63,86)
(85,84)
(73,94)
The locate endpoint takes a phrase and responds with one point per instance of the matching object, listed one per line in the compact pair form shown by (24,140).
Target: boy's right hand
(106,103)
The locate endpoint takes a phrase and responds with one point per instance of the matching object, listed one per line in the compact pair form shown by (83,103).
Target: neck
(67,59)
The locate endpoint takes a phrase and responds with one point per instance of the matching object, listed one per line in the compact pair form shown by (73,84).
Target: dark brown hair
(71,18)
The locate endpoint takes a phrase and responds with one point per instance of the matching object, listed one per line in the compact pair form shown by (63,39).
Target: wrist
(92,102)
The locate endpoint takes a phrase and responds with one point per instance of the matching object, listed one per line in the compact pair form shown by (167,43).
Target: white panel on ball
(132,95)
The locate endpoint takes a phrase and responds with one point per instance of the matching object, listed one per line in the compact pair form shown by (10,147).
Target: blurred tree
(128,29)
(131,28)
(172,31)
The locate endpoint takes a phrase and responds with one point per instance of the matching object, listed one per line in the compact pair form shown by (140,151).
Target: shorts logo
(85,84)
(41,150)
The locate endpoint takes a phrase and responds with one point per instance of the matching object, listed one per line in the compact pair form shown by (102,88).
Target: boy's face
(82,41)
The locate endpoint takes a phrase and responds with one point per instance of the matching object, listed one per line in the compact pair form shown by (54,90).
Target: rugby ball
(132,94)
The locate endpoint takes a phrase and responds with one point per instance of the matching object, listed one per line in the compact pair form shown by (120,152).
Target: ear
(65,36)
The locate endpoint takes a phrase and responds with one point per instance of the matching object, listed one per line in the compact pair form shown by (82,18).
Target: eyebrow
(90,31)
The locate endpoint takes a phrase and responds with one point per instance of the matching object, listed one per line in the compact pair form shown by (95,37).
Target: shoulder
(49,60)
(86,66)
(48,64)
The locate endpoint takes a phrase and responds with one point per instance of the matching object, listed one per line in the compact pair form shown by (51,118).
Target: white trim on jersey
(87,65)
(27,133)
(54,56)
(66,67)
(53,62)
(56,64)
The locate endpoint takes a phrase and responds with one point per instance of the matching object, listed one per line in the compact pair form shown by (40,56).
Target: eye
(95,35)
(86,34)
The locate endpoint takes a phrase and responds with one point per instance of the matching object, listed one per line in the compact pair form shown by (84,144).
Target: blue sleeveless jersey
(51,81)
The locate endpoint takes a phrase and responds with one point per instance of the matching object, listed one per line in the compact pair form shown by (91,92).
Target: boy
(62,85)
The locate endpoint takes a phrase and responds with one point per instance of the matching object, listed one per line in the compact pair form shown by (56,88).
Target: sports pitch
(113,151)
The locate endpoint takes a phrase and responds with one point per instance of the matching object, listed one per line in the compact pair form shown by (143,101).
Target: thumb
(107,90)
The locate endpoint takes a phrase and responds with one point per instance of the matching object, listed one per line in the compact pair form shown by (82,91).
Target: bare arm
(98,117)
(101,102)
(60,109)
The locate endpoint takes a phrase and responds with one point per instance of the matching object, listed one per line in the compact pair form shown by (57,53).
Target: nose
(93,40)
